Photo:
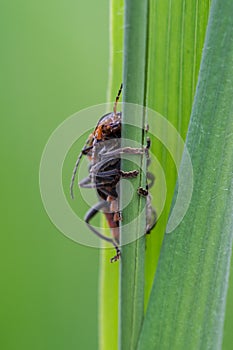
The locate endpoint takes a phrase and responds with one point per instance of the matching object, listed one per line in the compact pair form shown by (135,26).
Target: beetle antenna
(117,99)
(75,170)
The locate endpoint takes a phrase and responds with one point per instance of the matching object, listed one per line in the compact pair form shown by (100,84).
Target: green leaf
(109,273)
(132,261)
(175,41)
(187,303)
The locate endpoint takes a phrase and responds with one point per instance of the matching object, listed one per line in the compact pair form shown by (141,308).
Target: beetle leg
(86,183)
(95,168)
(150,212)
(143,191)
(108,177)
(122,150)
(129,150)
(151,215)
(117,256)
(148,143)
(129,174)
(89,215)
(107,173)
(123,174)
(150,177)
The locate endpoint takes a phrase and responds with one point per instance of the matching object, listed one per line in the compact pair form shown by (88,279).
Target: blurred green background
(54,62)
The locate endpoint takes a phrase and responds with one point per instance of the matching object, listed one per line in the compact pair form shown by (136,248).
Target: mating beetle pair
(103,148)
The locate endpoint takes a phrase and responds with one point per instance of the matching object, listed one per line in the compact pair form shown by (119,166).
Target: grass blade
(132,262)
(187,304)
(109,273)
(175,42)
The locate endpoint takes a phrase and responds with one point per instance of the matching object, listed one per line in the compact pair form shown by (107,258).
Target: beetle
(103,149)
